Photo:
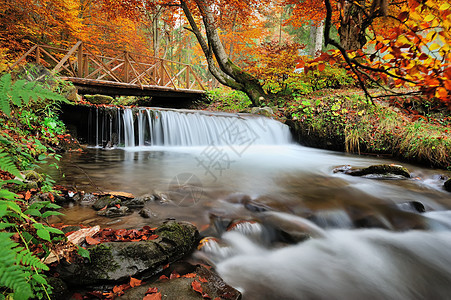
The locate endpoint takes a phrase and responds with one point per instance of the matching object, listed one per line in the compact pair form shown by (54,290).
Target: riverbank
(343,120)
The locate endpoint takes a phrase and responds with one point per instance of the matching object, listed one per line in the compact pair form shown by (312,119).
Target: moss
(102,262)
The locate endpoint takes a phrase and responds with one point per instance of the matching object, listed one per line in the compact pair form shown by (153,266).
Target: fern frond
(7,165)
(5,87)
(12,275)
(26,258)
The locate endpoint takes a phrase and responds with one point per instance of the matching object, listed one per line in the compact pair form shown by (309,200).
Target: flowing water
(370,238)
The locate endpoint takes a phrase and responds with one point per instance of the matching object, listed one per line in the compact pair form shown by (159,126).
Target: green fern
(21,92)
(7,165)
(13,275)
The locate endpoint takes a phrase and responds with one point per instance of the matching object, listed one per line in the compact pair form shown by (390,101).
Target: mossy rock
(117,261)
(264,111)
(376,171)
(105,201)
(99,99)
(33,176)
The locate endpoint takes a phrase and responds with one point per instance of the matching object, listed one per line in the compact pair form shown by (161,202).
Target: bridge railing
(87,62)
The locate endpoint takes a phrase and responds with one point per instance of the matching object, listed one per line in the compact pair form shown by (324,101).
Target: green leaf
(33,212)
(83,252)
(51,213)
(5,225)
(53,230)
(43,234)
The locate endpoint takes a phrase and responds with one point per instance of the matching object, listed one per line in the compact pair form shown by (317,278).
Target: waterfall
(132,127)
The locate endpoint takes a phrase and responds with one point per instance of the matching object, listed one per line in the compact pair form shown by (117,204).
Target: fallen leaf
(163,278)
(152,290)
(189,275)
(92,241)
(156,296)
(77,296)
(135,282)
(27,195)
(197,286)
(201,279)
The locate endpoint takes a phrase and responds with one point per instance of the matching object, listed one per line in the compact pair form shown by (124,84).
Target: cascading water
(291,227)
(130,127)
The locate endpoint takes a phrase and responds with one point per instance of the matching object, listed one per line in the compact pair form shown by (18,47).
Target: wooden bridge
(111,72)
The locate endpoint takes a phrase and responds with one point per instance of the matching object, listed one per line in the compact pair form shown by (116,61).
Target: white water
(345,264)
(170,128)
(338,262)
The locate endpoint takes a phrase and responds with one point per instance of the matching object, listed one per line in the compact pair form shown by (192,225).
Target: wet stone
(114,212)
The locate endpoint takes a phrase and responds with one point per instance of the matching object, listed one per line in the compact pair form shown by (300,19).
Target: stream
(369,239)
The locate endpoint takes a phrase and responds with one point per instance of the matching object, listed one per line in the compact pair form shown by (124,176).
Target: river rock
(88,199)
(134,203)
(114,212)
(105,201)
(118,261)
(212,286)
(264,111)
(376,171)
(447,185)
(146,213)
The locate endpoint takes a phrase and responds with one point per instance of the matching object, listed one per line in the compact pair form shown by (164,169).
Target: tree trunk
(352,26)
(219,63)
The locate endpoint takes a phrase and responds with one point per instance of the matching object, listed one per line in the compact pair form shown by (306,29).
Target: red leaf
(152,237)
(201,279)
(27,195)
(165,266)
(92,241)
(189,275)
(197,286)
(152,290)
(163,278)
(52,198)
(321,67)
(156,296)
(135,282)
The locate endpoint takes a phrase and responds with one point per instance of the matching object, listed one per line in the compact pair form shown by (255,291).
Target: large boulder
(376,171)
(118,261)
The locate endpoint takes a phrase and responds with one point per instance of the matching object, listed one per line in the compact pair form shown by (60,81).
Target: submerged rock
(117,261)
(376,171)
(114,212)
(447,185)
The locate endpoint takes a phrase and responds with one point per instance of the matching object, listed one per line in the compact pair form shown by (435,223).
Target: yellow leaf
(445,6)
(388,57)
(429,18)
(434,47)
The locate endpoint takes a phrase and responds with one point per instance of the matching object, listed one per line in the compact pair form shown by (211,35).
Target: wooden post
(80,61)
(86,64)
(38,55)
(127,67)
(162,73)
(187,77)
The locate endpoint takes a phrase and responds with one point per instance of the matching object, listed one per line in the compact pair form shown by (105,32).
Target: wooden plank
(107,64)
(66,57)
(144,73)
(23,57)
(80,61)
(197,78)
(113,69)
(170,79)
(104,67)
(53,58)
